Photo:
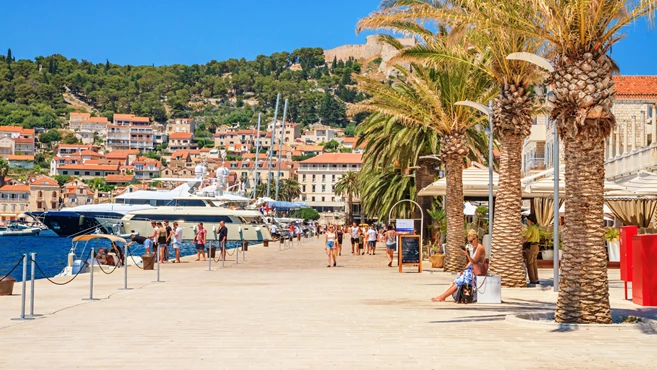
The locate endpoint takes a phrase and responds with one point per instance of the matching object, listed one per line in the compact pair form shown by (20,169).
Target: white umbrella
(475,183)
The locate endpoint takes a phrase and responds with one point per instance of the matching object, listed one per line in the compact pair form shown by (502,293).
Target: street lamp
(546,65)
(488,111)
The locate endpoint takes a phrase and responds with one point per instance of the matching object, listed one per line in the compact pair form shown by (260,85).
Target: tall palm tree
(289,190)
(580,34)
(512,118)
(348,186)
(4,169)
(425,98)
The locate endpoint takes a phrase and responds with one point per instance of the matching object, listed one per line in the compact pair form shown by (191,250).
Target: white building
(318,176)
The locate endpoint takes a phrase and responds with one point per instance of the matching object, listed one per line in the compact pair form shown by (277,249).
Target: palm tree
(289,190)
(512,109)
(4,169)
(579,33)
(425,98)
(348,186)
(381,188)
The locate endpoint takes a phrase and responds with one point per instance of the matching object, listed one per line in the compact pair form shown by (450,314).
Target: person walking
(199,241)
(223,239)
(391,244)
(297,230)
(339,234)
(371,240)
(291,230)
(531,237)
(361,240)
(161,241)
(169,240)
(354,238)
(177,240)
(330,246)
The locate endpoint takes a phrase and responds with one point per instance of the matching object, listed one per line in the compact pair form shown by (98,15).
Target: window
(39,205)
(76,173)
(322,199)
(53,205)
(97,173)
(86,173)
(323,178)
(323,188)
(64,172)
(40,194)
(314,178)
(3,207)
(22,207)
(313,189)
(54,194)
(304,188)
(304,178)
(333,178)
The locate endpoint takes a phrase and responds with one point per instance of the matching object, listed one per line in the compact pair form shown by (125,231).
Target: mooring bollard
(125,267)
(91,277)
(22,317)
(157,255)
(32,273)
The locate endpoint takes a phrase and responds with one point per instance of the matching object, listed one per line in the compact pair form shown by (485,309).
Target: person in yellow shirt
(530,238)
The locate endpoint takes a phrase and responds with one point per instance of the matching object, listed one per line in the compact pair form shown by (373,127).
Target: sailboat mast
(255,167)
(271,144)
(280,150)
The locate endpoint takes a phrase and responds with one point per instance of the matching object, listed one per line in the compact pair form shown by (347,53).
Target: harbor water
(52,252)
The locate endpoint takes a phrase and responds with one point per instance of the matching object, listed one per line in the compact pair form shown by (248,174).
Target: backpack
(464,294)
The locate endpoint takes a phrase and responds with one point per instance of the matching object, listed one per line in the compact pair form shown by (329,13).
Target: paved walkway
(286,310)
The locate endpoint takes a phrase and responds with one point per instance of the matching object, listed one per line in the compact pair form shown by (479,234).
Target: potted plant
(548,249)
(437,258)
(613,245)
(7,285)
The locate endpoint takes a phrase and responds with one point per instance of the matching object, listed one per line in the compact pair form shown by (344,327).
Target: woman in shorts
(391,243)
(330,246)
(339,234)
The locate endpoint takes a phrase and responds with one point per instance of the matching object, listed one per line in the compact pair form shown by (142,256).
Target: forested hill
(232,91)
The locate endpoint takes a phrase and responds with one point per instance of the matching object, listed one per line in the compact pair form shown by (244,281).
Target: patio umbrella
(475,183)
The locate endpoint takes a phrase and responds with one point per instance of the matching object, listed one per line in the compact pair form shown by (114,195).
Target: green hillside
(226,92)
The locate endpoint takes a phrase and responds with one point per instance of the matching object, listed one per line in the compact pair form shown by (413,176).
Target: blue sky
(196,31)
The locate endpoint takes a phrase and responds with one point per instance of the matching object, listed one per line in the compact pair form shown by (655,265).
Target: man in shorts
(169,239)
(199,241)
(354,238)
(223,239)
(146,242)
(371,240)
(177,240)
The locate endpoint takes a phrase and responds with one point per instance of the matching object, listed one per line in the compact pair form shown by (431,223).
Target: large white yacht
(189,211)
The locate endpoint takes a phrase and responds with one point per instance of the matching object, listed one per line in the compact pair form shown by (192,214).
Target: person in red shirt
(199,240)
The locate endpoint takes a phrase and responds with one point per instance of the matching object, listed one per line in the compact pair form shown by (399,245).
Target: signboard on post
(410,252)
(404,226)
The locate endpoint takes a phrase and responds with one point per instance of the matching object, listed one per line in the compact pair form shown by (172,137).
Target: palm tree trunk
(424,177)
(506,251)
(584,288)
(454,260)
(350,202)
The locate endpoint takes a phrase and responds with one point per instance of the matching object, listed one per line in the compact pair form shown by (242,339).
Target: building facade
(45,194)
(14,200)
(318,176)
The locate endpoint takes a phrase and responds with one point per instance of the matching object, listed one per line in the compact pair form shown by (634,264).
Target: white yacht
(189,211)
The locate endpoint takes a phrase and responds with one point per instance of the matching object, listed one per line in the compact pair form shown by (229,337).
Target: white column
(654,124)
(617,143)
(633,133)
(626,136)
(643,127)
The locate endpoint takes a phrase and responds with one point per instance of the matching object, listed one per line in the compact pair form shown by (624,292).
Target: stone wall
(372,49)
(629,113)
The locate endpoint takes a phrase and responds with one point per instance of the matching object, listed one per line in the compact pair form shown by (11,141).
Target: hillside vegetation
(227,92)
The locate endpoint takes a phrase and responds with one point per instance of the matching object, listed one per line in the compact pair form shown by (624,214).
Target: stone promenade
(286,310)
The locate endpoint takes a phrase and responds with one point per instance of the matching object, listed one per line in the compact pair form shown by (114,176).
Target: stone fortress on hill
(372,49)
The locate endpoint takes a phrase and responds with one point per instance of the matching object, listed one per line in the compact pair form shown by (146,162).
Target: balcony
(534,165)
(627,164)
(536,135)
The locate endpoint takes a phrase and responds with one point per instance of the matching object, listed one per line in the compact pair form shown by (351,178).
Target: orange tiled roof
(335,158)
(309,148)
(121,154)
(23,140)
(87,147)
(21,188)
(140,119)
(80,114)
(119,178)
(20,157)
(90,167)
(123,117)
(180,135)
(636,87)
(352,140)
(96,120)
(11,129)
(43,181)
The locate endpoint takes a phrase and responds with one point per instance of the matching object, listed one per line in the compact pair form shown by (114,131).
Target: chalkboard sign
(410,252)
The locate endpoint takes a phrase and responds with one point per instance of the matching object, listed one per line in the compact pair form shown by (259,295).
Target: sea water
(52,253)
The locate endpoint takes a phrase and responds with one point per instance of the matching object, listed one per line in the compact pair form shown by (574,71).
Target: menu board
(410,251)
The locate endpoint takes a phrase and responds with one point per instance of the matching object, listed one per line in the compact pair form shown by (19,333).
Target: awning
(475,183)
(287,206)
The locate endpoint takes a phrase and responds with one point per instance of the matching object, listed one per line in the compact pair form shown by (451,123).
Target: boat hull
(236,232)
(66,224)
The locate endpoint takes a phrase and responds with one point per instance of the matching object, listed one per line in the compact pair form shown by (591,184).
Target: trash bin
(211,251)
(148,261)
(245,245)
(7,285)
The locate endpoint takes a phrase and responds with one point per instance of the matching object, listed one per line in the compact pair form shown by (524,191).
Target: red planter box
(626,234)
(644,270)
